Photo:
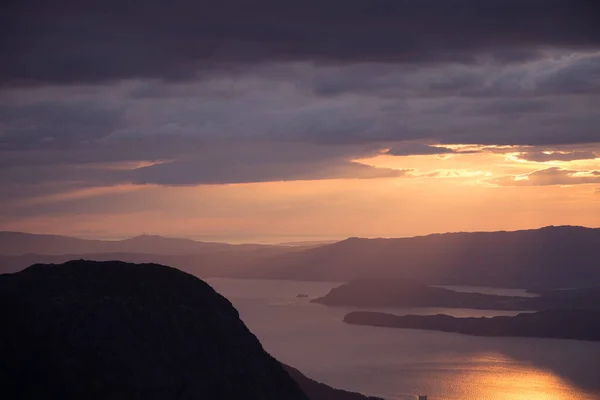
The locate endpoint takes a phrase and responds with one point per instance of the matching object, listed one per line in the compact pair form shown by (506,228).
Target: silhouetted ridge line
(98,330)
(563,256)
(17,243)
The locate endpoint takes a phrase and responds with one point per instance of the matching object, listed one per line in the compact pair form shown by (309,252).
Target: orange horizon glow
(438,193)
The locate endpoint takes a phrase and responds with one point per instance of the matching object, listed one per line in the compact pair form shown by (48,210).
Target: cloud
(68,42)
(413,148)
(290,121)
(454,173)
(55,124)
(256,127)
(181,160)
(250,161)
(198,172)
(544,156)
(549,176)
(558,73)
(407,149)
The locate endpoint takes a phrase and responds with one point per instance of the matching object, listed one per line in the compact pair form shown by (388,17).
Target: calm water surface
(397,364)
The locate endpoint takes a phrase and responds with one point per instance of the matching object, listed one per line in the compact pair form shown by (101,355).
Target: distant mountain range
(17,243)
(563,256)
(20,250)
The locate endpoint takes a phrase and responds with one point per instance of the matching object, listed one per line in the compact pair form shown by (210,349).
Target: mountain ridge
(99,330)
(521,259)
(20,243)
(549,257)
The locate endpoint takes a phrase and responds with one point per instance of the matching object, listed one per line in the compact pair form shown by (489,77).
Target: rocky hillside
(112,330)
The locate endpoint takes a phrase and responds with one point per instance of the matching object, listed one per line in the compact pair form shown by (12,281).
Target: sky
(300,119)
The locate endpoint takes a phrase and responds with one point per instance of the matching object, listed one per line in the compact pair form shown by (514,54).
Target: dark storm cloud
(54,124)
(517,86)
(66,41)
(174,160)
(512,107)
(58,175)
(260,161)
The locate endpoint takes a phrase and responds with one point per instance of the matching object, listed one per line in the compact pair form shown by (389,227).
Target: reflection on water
(398,363)
(502,380)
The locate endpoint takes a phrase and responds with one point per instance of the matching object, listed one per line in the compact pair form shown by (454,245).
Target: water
(397,364)
(490,290)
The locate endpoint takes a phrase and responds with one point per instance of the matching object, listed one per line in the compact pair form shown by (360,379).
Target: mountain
(555,324)
(20,250)
(564,256)
(18,243)
(551,257)
(124,331)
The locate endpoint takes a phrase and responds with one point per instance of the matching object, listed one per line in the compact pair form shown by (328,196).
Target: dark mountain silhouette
(564,256)
(17,243)
(112,330)
(380,292)
(556,324)
(20,250)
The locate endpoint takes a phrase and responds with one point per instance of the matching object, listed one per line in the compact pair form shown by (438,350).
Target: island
(555,324)
(377,292)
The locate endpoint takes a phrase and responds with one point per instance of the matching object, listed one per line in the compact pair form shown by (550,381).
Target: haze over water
(398,364)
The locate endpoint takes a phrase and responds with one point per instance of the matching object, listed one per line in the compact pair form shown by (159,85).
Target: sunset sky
(298,120)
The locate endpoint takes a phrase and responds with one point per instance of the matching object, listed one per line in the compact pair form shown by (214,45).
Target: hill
(123,331)
(564,256)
